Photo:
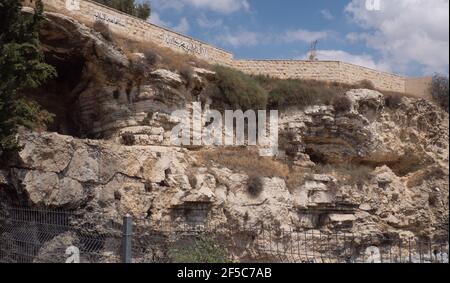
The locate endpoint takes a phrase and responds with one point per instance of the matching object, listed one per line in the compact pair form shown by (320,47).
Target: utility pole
(313,51)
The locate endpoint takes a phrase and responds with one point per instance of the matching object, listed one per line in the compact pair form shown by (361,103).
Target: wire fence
(51,236)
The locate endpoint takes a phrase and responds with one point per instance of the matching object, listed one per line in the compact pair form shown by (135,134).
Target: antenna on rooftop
(313,51)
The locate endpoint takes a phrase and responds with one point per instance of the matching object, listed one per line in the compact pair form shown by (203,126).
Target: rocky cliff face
(369,170)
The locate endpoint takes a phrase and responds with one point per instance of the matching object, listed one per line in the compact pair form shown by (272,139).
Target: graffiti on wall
(189,47)
(73,5)
(103,17)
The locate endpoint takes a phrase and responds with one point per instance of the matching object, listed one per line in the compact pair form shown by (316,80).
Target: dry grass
(244,160)
(296,179)
(347,174)
(160,57)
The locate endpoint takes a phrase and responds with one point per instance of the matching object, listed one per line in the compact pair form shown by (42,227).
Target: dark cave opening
(316,157)
(59,95)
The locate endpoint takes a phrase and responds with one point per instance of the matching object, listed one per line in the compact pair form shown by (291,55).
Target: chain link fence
(52,236)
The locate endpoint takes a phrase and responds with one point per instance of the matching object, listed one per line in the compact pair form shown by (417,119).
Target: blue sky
(409,37)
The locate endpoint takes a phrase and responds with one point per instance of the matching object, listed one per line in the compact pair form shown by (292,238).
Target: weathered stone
(341,218)
(83,167)
(54,157)
(46,188)
(365,207)
(207,74)
(167,77)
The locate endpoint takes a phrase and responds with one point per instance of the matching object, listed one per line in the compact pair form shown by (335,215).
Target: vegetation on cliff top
(21,68)
(140,10)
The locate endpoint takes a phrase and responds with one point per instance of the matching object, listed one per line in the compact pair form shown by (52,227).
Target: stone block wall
(419,87)
(136,29)
(133,28)
(290,69)
(333,71)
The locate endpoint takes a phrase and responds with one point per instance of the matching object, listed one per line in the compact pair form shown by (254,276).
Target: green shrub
(188,74)
(237,90)
(440,90)
(299,93)
(393,101)
(22,68)
(342,104)
(203,250)
(128,139)
(366,84)
(141,10)
(255,185)
(151,57)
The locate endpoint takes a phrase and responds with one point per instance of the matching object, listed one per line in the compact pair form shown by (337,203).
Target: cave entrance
(59,95)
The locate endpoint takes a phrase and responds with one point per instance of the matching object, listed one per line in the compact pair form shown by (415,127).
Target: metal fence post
(127,234)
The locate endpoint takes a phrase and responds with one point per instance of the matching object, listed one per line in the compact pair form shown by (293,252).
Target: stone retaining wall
(136,29)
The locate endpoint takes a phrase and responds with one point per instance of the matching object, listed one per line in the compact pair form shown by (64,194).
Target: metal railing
(53,236)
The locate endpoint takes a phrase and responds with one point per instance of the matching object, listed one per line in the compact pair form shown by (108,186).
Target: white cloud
(406,32)
(326,14)
(304,35)
(206,23)
(182,27)
(156,19)
(251,38)
(220,6)
(240,38)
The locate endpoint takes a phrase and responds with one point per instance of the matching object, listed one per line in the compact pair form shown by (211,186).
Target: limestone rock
(207,74)
(341,218)
(46,188)
(366,96)
(167,77)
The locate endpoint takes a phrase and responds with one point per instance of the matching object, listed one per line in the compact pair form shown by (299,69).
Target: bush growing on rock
(202,250)
(237,90)
(255,185)
(366,84)
(141,10)
(188,74)
(342,104)
(393,100)
(128,139)
(151,57)
(300,93)
(293,92)
(22,68)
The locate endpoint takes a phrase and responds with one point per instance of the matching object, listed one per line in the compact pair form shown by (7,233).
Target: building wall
(136,29)
(419,87)
(333,71)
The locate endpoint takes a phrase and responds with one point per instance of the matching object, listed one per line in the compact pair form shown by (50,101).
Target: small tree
(21,67)
(440,90)
(203,250)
